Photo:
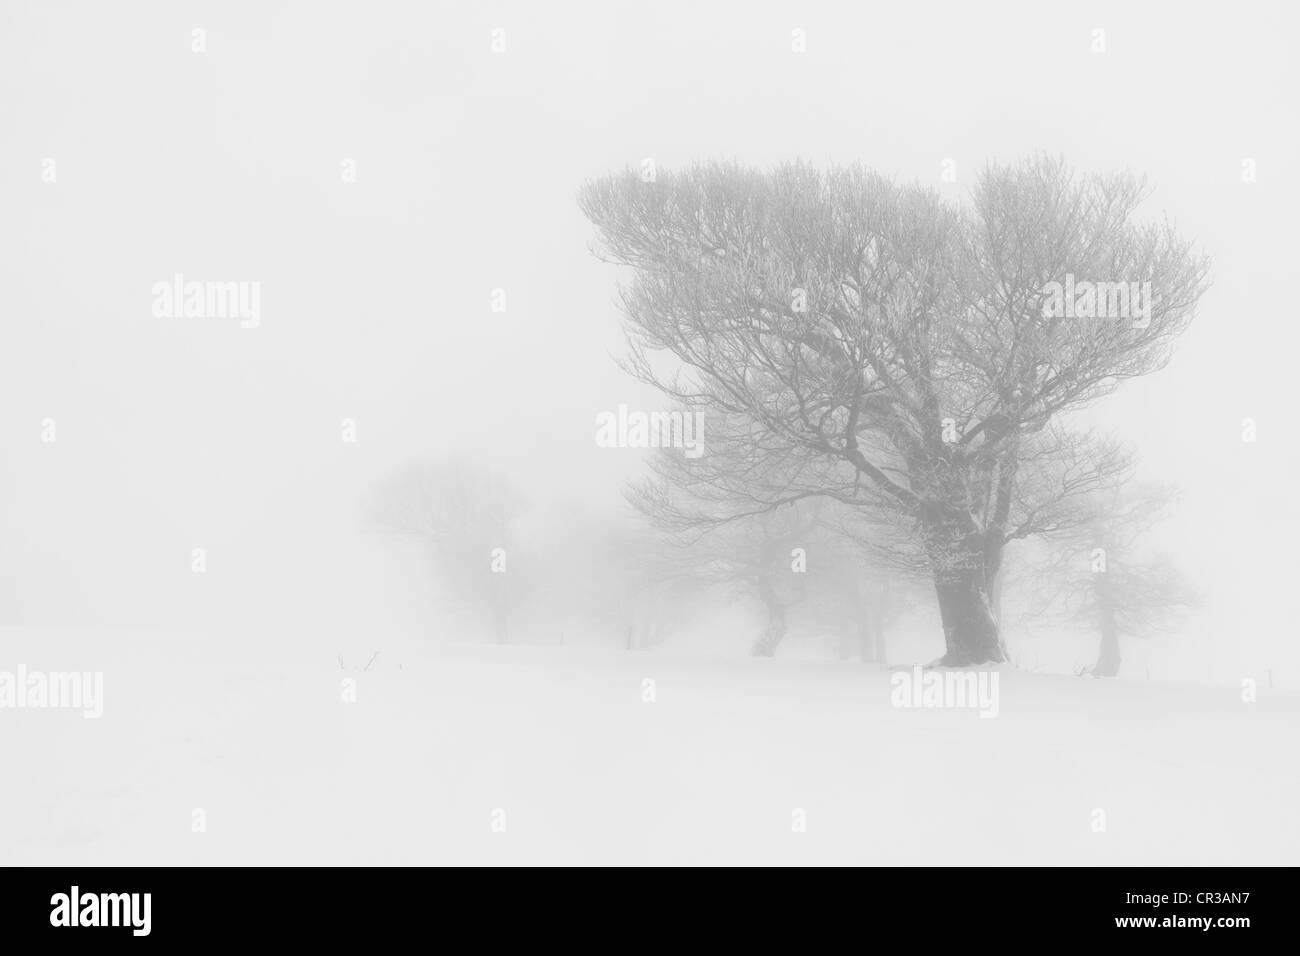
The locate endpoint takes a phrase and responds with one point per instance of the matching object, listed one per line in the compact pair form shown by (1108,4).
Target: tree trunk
(500,609)
(995,596)
(767,642)
(847,634)
(879,654)
(969,630)
(960,556)
(882,610)
(866,639)
(1108,656)
(994,548)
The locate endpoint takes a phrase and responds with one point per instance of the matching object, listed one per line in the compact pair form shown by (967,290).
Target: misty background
(377,294)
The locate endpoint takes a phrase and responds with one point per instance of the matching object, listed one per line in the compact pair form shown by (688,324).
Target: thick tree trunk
(994,548)
(970,632)
(964,569)
(995,596)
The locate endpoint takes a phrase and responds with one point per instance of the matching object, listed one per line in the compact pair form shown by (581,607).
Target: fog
(343,559)
(377,293)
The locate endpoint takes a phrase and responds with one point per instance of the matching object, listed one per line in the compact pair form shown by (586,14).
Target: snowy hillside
(243,751)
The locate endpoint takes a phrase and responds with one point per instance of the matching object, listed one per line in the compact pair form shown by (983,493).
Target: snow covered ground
(475,754)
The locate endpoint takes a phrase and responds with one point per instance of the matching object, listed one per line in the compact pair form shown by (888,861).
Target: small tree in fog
(877,337)
(629,581)
(1098,575)
(720,527)
(759,556)
(864,595)
(466,518)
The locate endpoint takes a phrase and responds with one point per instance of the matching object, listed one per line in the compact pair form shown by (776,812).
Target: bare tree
(634,581)
(753,556)
(812,551)
(885,343)
(1098,574)
(864,596)
(466,518)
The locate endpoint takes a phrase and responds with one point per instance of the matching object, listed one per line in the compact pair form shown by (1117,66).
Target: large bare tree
(894,343)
